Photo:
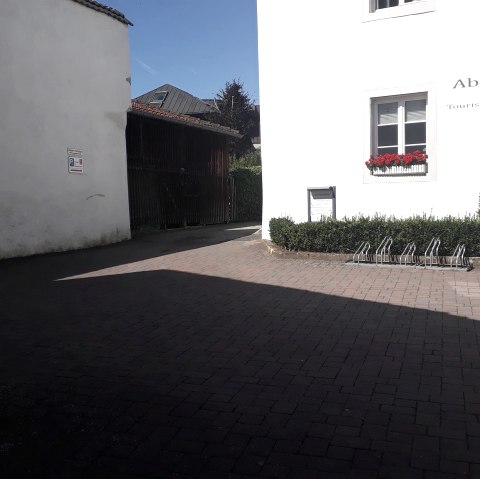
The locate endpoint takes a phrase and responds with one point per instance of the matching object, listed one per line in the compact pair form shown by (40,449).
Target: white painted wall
(63,71)
(320,64)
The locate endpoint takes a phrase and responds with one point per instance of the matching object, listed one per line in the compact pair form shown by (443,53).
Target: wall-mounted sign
(321,203)
(466,83)
(75,160)
(463,106)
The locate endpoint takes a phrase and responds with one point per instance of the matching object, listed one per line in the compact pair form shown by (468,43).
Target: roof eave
(111,12)
(201,126)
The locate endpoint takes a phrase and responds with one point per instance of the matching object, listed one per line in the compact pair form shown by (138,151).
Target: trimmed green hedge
(248,193)
(344,236)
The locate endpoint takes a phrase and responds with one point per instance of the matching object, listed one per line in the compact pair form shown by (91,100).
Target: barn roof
(176,101)
(111,12)
(180,119)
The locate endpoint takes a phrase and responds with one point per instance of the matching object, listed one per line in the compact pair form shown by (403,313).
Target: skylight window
(159,98)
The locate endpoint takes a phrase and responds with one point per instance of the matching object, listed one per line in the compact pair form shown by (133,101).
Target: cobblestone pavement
(196,354)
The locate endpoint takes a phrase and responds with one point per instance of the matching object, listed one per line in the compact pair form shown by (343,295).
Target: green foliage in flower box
(344,236)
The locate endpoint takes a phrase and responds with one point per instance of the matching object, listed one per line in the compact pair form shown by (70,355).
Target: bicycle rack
(362,252)
(384,250)
(458,256)
(432,252)
(408,257)
(408,254)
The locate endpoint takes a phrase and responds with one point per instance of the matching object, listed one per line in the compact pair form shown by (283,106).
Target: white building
(341,80)
(64,92)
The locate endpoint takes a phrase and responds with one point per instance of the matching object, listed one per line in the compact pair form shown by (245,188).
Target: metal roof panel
(177,101)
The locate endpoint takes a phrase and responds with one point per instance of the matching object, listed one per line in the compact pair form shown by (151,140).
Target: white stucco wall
(320,65)
(63,84)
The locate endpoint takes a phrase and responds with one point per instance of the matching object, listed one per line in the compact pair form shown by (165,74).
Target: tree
(252,159)
(236,110)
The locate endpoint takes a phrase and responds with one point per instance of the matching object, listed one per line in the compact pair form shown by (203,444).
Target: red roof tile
(111,12)
(181,119)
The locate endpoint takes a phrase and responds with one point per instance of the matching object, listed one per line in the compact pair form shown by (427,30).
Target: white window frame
(372,13)
(374,4)
(369,96)
(400,99)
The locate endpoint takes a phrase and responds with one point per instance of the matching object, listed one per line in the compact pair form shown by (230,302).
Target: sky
(195,45)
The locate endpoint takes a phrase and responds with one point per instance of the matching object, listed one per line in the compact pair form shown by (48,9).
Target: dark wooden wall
(177,175)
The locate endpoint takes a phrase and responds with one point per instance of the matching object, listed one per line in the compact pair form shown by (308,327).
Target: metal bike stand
(458,256)
(408,254)
(384,250)
(362,253)
(431,252)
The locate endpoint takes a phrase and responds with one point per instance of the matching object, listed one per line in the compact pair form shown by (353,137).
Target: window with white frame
(379,4)
(399,124)
(383,9)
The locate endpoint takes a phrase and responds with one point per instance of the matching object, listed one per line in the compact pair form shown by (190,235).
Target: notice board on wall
(321,203)
(75,160)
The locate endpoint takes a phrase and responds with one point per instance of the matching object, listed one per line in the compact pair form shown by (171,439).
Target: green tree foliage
(246,173)
(236,110)
(248,193)
(252,158)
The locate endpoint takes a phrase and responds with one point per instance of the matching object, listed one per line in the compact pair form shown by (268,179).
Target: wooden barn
(177,169)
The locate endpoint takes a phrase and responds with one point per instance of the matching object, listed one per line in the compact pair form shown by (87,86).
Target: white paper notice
(75,160)
(320,207)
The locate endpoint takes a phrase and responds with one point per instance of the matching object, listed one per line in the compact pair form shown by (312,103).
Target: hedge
(248,193)
(344,236)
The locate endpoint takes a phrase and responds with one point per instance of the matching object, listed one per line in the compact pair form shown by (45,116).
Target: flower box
(411,170)
(409,164)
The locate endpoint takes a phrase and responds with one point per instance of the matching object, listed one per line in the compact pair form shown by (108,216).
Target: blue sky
(196,45)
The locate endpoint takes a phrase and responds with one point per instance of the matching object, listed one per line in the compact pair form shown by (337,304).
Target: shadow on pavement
(167,374)
(143,245)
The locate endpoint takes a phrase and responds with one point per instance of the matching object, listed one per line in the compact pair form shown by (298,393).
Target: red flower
(390,159)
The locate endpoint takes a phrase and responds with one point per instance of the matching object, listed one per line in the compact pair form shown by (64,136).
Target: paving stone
(321,430)
(427,419)
(330,465)
(373,431)
(425,460)
(346,453)
(187,354)
(396,459)
(426,443)
(293,461)
(314,446)
(222,450)
(454,467)
(275,472)
(400,472)
(350,431)
(366,460)
(442,475)
(362,474)
(249,464)
(261,446)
